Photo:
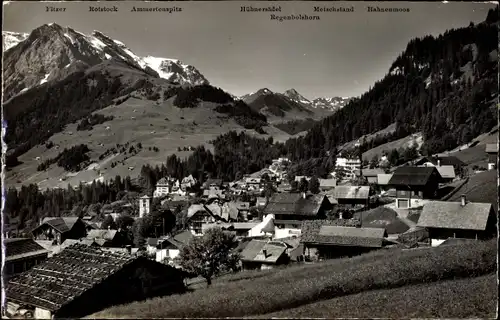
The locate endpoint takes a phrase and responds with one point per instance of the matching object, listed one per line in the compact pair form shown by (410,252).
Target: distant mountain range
(63,88)
(328,104)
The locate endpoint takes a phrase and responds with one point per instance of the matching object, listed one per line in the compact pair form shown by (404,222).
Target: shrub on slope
(300,285)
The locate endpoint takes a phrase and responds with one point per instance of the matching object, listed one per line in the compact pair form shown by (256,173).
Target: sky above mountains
(343,54)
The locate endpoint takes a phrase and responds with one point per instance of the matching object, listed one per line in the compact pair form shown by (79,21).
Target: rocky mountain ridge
(51,52)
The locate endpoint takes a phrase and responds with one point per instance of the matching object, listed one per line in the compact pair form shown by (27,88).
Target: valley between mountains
(58,81)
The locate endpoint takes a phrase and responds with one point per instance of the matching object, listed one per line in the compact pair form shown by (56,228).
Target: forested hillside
(445,87)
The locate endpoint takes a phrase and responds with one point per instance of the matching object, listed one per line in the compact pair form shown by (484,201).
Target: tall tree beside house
(265,177)
(124,221)
(269,190)
(314,185)
(303,185)
(140,230)
(210,254)
(374,162)
(340,173)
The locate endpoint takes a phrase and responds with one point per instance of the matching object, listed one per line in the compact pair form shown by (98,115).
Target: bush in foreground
(296,286)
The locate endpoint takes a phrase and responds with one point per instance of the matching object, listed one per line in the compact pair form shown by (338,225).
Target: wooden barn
(350,195)
(82,280)
(414,183)
(467,220)
(262,254)
(290,209)
(328,239)
(21,254)
(59,229)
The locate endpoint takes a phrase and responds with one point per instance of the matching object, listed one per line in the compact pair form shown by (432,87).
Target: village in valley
(274,221)
(135,188)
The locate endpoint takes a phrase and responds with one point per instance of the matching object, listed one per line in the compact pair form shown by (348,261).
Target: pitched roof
(162,182)
(216,210)
(230,210)
(102,234)
(294,203)
(17,248)
(331,233)
(213,193)
(491,148)
(372,172)
(383,178)
(65,276)
(213,181)
(194,208)
(255,249)
(412,176)
(444,160)
(447,171)
(452,215)
(61,224)
(299,178)
(327,183)
(350,192)
(252,180)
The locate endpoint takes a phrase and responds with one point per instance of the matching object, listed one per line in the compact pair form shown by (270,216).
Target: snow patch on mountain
(11,39)
(45,78)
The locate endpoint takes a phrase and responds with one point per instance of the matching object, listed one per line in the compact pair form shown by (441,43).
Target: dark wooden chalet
(59,229)
(414,183)
(350,195)
(82,280)
(290,209)
(467,220)
(327,239)
(22,254)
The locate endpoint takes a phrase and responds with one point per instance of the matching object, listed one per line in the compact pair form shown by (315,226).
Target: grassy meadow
(294,290)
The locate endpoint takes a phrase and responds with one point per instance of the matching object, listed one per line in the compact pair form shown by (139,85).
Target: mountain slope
(135,109)
(11,39)
(51,52)
(444,87)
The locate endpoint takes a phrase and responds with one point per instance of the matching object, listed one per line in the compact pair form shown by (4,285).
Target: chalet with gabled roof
(327,239)
(327,184)
(468,220)
(89,279)
(440,161)
(58,229)
(350,195)
(414,183)
(290,209)
(262,254)
(371,174)
(21,254)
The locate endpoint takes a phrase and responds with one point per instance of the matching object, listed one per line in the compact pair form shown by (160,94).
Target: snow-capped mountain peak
(293,95)
(332,103)
(51,48)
